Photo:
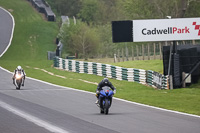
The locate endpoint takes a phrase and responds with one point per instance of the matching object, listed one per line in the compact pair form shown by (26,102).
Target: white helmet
(19,68)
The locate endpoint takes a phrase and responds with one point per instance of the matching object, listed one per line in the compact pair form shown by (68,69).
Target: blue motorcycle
(105,99)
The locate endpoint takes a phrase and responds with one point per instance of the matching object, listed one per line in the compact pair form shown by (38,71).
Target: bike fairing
(105,99)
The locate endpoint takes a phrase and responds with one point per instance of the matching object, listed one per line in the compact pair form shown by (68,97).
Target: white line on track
(144,105)
(11,36)
(33,119)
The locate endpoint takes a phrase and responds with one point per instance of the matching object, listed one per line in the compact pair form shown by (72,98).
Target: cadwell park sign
(175,58)
(156,30)
(166,29)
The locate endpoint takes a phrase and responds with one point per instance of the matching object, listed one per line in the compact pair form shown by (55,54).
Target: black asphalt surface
(75,112)
(6,25)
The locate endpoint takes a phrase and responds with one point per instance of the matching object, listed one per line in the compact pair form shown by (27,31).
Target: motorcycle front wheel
(101,111)
(19,85)
(106,107)
(18,88)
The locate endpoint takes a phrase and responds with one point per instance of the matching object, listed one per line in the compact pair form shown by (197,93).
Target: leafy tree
(86,41)
(80,39)
(107,12)
(100,11)
(107,48)
(88,10)
(65,35)
(139,9)
(193,9)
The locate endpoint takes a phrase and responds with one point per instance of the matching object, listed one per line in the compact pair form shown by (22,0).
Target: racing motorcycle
(105,99)
(18,80)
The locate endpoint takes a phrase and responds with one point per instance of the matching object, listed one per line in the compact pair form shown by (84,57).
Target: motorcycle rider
(19,69)
(104,82)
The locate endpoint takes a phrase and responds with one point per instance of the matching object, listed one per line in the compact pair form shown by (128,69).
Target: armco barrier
(44,8)
(141,76)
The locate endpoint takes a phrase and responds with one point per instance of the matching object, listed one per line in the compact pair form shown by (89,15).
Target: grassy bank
(34,36)
(154,65)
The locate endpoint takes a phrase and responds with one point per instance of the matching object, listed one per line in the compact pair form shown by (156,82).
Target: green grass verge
(154,65)
(34,36)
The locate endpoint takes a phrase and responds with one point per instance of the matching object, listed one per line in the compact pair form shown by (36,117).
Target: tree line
(91,36)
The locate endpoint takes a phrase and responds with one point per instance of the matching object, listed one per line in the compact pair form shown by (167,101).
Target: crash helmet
(105,81)
(19,68)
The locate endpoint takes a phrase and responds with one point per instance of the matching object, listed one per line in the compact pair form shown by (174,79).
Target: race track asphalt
(75,111)
(6,27)
(41,107)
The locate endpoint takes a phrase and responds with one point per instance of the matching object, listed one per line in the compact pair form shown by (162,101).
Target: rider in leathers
(104,82)
(19,68)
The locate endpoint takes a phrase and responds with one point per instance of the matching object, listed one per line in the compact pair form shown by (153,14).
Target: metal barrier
(43,7)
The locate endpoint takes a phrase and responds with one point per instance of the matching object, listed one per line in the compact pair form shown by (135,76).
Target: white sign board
(188,80)
(166,29)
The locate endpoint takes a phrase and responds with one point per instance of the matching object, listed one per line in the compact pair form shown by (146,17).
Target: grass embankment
(154,65)
(33,37)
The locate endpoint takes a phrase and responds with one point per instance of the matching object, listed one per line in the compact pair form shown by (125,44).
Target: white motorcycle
(18,80)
